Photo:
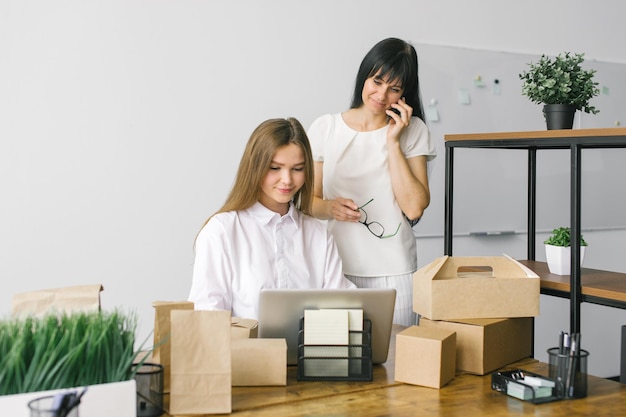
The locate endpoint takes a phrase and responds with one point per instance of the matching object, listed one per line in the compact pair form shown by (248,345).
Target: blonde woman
(264,236)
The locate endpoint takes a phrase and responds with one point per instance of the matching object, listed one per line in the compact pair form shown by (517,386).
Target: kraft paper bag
(161,352)
(200,362)
(76,298)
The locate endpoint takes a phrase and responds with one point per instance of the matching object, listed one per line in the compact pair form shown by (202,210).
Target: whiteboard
(490,185)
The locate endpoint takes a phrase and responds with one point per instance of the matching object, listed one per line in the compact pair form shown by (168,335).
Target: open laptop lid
(280,311)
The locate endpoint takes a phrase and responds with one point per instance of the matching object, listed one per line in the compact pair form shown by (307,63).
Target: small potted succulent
(558,251)
(562,86)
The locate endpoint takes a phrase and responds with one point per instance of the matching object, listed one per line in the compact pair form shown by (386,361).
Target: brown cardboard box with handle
(469,287)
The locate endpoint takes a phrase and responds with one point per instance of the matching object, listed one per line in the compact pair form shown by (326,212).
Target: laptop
(280,311)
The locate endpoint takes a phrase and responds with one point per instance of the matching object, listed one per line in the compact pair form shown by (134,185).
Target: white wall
(532,26)
(122,122)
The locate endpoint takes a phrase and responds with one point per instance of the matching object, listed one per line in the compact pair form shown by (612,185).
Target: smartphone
(396,111)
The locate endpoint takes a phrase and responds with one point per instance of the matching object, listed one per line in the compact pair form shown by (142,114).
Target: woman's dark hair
(391,59)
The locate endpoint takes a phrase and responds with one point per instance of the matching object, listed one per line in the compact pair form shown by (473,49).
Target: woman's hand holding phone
(399,118)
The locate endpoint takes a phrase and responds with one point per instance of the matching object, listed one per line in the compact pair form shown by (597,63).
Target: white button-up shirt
(238,253)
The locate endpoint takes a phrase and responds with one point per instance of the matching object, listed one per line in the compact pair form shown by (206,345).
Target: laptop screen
(280,311)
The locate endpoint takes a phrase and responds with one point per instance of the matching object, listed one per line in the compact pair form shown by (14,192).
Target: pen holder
(569,372)
(45,407)
(149,380)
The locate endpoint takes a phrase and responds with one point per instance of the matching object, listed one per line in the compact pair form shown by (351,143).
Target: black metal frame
(575,142)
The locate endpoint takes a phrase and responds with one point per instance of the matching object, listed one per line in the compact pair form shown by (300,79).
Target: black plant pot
(559,116)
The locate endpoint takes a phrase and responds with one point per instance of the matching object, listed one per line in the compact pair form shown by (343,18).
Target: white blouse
(238,253)
(356,166)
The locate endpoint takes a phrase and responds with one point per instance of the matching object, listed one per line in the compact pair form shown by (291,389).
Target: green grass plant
(67,350)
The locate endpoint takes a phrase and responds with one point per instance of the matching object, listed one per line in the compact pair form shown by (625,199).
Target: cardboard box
(475,287)
(484,345)
(243,328)
(259,362)
(425,356)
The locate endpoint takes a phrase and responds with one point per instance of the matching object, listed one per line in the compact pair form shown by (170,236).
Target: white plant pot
(559,258)
(117,399)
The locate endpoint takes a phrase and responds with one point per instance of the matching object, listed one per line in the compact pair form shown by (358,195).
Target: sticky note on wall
(463,96)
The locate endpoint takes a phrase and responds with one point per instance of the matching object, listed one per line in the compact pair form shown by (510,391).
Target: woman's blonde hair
(263,144)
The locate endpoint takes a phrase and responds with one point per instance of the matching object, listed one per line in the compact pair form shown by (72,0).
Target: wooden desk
(466,395)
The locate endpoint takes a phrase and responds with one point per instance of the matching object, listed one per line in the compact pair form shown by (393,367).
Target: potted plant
(562,85)
(558,251)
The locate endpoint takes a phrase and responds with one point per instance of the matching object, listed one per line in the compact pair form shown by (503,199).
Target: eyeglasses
(376,228)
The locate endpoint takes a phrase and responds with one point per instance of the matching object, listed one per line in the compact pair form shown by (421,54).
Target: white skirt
(403,313)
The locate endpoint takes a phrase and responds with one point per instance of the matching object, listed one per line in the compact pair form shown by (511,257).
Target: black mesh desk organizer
(352,362)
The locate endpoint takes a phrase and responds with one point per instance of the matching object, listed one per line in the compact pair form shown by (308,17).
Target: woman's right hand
(344,210)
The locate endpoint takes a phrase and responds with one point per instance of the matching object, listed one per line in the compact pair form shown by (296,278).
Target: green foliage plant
(561,237)
(66,350)
(560,80)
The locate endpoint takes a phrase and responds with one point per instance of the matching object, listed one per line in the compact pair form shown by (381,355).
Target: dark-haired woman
(371,173)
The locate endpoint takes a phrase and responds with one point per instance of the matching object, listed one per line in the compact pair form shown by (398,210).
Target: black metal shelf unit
(533,141)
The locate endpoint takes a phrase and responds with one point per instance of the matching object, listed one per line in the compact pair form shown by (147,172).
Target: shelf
(541,139)
(597,286)
(583,285)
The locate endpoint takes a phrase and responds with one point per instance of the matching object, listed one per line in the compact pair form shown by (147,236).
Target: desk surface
(466,395)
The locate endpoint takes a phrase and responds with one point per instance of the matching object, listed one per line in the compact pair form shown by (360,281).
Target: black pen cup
(569,372)
(45,407)
(149,380)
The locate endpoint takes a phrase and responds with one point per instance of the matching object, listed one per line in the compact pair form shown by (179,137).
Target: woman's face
(379,94)
(284,178)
